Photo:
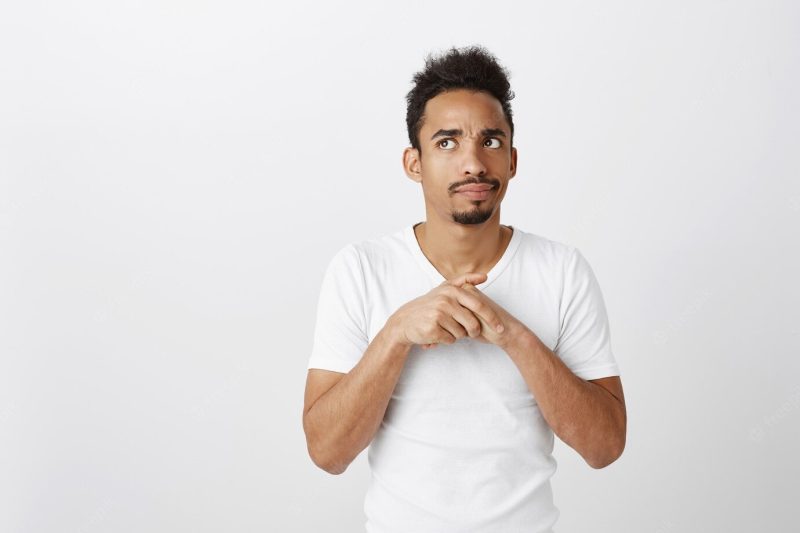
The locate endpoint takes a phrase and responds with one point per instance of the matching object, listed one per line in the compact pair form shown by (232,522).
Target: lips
(474,188)
(477,195)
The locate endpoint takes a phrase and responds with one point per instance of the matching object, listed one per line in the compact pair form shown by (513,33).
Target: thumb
(470,277)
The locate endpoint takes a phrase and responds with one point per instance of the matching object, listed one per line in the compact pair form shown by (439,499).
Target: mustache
(482,181)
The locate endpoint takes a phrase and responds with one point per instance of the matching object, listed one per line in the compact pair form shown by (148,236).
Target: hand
(488,334)
(513,325)
(445,314)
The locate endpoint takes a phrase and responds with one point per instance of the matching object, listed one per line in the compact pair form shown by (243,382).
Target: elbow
(597,464)
(324,460)
(609,456)
(322,453)
(335,470)
(328,465)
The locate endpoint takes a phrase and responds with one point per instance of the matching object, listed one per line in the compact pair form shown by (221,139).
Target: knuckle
(476,327)
(441,299)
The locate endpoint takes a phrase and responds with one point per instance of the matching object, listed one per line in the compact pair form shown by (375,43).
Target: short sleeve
(340,337)
(584,341)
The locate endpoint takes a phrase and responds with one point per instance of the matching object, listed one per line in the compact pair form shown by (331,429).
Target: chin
(471,217)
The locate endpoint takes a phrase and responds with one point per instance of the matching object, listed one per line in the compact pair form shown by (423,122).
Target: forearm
(343,421)
(584,415)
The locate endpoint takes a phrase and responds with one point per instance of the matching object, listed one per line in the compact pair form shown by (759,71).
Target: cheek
(437,166)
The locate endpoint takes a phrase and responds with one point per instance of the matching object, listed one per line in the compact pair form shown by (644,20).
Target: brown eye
(495,140)
(445,141)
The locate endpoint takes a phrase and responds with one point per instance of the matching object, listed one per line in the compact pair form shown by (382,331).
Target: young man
(456,347)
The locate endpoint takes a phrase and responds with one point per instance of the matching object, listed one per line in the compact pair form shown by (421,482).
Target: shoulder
(550,252)
(376,250)
(367,254)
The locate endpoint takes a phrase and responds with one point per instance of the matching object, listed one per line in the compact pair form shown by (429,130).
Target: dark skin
(450,161)
(465,139)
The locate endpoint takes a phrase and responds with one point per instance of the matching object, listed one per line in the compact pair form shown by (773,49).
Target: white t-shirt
(463,446)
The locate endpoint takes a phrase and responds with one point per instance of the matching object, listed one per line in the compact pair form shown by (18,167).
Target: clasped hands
(452,310)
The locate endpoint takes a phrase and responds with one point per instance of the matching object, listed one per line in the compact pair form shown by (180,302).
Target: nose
(472,164)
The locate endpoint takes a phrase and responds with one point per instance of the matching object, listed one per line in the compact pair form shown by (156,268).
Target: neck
(455,249)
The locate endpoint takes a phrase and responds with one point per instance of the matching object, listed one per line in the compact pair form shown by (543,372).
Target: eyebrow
(457,133)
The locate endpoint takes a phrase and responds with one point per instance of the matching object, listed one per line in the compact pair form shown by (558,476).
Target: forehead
(463,108)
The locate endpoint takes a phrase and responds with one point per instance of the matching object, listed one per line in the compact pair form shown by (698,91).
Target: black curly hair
(471,67)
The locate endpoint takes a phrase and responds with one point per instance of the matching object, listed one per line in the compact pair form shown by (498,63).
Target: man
(456,347)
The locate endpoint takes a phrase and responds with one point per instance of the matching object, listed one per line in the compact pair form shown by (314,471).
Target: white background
(175,176)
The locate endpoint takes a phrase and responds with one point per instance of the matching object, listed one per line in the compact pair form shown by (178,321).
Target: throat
(442,260)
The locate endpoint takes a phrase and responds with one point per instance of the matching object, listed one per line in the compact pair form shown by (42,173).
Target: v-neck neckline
(437,278)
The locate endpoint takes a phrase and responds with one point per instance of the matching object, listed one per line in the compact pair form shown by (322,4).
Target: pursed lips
(474,188)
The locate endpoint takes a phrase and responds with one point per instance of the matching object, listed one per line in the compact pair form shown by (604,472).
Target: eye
(496,140)
(445,141)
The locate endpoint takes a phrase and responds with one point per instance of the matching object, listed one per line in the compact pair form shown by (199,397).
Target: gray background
(175,177)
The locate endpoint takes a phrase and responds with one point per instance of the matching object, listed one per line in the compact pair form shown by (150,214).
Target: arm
(343,421)
(589,416)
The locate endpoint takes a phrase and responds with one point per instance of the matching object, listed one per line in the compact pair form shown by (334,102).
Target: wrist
(395,336)
(518,337)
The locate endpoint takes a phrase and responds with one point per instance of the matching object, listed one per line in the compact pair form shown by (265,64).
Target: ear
(412,165)
(513,168)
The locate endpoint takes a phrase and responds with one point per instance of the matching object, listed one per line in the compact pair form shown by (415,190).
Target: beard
(472,216)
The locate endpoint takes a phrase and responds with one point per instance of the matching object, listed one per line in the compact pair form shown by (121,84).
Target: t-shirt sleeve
(584,342)
(340,337)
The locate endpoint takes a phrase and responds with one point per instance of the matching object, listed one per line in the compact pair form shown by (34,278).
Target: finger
(466,319)
(451,329)
(470,277)
(481,338)
(473,300)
